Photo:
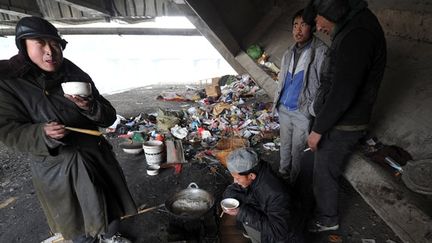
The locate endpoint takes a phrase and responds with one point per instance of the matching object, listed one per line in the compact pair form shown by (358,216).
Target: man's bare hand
(55,130)
(82,102)
(313,140)
(232,212)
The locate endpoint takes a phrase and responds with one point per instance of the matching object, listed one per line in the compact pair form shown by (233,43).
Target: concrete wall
(403,113)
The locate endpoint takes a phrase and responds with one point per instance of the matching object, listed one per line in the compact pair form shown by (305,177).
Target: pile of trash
(222,117)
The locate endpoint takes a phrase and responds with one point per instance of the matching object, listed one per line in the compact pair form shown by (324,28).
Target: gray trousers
(255,236)
(334,150)
(294,130)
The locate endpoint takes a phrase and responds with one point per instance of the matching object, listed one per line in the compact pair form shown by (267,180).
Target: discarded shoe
(117,238)
(316,227)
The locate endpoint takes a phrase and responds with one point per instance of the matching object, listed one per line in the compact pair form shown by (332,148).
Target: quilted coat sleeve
(16,129)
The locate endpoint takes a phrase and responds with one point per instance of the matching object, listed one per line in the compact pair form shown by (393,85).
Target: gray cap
(241,160)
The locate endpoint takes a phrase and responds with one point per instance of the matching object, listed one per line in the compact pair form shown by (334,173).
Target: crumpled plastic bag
(179,132)
(167,120)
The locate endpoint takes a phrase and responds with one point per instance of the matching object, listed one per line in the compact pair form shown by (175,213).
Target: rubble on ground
(221,117)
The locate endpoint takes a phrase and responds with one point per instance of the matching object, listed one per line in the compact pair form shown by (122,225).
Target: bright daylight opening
(117,63)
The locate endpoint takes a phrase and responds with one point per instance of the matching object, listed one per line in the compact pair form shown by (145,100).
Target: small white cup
(229,203)
(77,88)
(153,170)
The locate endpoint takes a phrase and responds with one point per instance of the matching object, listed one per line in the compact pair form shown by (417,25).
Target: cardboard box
(215,81)
(213,91)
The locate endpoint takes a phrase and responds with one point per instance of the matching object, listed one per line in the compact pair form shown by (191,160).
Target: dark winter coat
(266,206)
(352,73)
(78,180)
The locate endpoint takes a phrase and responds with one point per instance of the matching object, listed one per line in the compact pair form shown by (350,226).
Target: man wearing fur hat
(265,204)
(351,76)
(298,83)
(77,178)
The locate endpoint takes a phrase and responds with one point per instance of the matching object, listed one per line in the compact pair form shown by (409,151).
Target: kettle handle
(193,185)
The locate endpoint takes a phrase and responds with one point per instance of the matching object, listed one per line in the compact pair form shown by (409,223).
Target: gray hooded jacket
(314,57)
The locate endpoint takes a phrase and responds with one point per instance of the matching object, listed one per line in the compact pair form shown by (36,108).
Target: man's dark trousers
(333,153)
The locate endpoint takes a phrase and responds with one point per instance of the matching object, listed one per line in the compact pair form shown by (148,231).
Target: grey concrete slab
(407,213)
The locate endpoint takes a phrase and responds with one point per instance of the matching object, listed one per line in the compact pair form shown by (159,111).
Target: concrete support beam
(257,73)
(93,7)
(214,24)
(212,37)
(144,8)
(118,31)
(19,8)
(212,27)
(405,212)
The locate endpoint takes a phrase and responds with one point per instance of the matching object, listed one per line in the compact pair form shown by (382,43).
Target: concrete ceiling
(76,12)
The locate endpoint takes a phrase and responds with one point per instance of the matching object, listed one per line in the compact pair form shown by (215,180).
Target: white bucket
(153,152)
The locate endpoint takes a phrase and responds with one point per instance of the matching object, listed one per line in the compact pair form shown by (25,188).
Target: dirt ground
(22,219)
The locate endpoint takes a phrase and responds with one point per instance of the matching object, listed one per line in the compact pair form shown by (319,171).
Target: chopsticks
(141,211)
(86,131)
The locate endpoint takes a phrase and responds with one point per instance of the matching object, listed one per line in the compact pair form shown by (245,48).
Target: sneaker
(117,238)
(245,235)
(318,227)
(283,171)
(284,174)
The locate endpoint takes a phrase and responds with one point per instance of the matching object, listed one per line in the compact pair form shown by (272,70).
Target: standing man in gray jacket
(298,83)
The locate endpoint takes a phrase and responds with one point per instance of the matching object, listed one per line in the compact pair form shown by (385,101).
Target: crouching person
(265,203)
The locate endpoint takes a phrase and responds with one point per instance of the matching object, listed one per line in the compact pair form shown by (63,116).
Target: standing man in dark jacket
(78,181)
(265,204)
(352,73)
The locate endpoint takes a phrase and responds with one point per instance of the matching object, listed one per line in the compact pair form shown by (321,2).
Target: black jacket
(266,206)
(352,73)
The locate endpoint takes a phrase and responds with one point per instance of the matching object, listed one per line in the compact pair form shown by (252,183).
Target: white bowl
(153,169)
(229,203)
(77,88)
(132,148)
(133,151)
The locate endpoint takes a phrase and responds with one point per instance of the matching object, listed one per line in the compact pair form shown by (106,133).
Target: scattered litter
(368,241)
(7,202)
(179,132)
(221,120)
(270,146)
(56,238)
(175,152)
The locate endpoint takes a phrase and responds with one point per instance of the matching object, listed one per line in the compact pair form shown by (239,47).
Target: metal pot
(190,203)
